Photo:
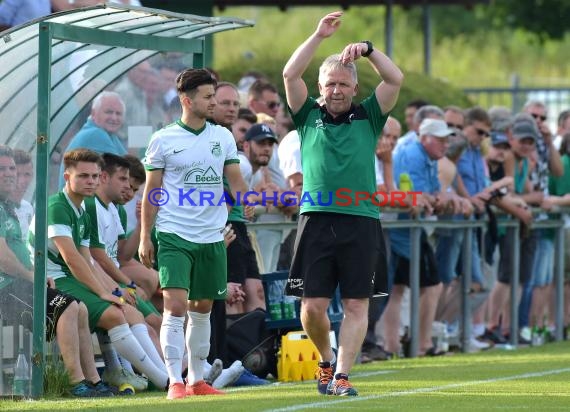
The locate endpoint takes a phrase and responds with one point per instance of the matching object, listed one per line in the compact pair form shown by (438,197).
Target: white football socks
(128,346)
(197,344)
(172,342)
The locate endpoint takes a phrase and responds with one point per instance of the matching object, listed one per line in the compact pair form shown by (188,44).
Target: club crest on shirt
(216,149)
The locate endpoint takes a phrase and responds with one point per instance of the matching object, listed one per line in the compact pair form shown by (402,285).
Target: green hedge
(415,86)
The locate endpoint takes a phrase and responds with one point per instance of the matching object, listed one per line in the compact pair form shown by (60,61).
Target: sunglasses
(482,133)
(538,116)
(272,105)
(455,126)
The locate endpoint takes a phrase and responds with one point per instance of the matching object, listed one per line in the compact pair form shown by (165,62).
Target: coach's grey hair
(333,62)
(98,100)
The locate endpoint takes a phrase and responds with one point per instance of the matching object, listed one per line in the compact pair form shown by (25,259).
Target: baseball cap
(499,138)
(435,127)
(524,129)
(259,132)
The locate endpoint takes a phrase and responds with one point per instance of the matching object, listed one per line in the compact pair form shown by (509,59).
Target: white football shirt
(193,205)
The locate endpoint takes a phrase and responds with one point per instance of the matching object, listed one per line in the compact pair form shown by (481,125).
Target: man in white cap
(419,161)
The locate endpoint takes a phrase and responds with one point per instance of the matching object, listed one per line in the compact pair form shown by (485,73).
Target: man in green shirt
(66,318)
(69,264)
(339,233)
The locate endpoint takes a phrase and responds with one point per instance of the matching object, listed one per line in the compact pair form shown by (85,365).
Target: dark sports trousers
(338,249)
(242,263)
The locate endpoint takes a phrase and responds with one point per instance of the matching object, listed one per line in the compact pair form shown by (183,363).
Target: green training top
(338,157)
(63,219)
(10,231)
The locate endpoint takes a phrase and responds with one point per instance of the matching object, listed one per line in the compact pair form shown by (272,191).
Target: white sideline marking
(419,390)
(280,384)
(372,373)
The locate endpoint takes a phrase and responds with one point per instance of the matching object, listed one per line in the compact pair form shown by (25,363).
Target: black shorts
(56,303)
(242,263)
(334,249)
(429,275)
(17,299)
(526,262)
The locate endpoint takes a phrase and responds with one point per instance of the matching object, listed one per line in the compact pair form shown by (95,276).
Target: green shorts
(200,268)
(144,306)
(95,305)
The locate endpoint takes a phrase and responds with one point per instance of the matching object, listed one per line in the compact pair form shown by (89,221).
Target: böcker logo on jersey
(201,177)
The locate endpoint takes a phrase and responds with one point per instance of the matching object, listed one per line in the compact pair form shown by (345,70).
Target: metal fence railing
(556,99)
(554,221)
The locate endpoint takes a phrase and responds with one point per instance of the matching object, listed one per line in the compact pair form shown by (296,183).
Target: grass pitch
(530,379)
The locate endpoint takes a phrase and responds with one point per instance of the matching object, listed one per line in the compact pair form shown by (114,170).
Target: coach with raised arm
(338,245)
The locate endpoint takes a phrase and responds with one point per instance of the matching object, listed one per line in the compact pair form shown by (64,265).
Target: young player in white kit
(185,164)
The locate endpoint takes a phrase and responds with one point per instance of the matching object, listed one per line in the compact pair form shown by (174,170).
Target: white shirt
(245,168)
(193,167)
(379,167)
(25,213)
(131,209)
(109,229)
(289,153)
(557,142)
(276,176)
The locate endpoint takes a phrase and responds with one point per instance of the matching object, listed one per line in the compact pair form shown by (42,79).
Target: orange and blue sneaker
(325,374)
(340,386)
(176,391)
(202,388)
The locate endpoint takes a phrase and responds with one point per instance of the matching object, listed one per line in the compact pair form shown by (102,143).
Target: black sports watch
(370,48)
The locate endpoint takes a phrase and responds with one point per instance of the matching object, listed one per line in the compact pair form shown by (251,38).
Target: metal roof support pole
(389,28)
(40,246)
(199,58)
(415,244)
(426,8)
(559,280)
(465,288)
(516,254)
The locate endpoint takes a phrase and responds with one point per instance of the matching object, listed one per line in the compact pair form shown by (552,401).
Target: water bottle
(21,375)
(443,339)
(132,288)
(405,183)
(117,292)
(275,297)
(289,311)
(536,338)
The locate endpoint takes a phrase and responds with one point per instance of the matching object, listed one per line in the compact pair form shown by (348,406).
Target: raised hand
(353,51)
(329,24)
(384,150)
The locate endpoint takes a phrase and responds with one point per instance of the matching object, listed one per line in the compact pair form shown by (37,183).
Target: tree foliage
(546,18)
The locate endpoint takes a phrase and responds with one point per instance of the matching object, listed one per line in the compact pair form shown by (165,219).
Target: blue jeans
(447,253)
